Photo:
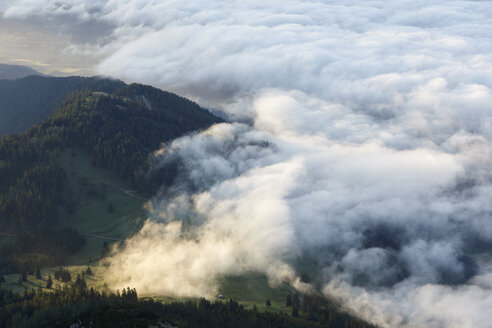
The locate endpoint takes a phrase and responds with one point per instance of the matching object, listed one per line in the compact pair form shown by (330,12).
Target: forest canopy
(118,130)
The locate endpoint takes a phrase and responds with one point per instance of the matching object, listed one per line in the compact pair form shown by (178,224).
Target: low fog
(358,143)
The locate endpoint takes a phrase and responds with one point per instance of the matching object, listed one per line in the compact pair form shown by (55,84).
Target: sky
(358,141)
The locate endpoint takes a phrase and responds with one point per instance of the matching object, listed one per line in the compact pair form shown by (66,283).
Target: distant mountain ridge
(29,100)
(11,72)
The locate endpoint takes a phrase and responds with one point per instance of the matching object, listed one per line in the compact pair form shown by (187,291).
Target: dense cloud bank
(366,148)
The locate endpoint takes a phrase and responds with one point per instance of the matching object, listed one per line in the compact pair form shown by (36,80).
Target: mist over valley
(339,151)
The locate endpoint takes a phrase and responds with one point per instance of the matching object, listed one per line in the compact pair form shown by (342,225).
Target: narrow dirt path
(128,192)
(81,234)
(99,236)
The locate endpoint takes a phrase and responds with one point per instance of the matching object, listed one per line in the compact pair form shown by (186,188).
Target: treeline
(232,314)
(37,308)
(77,305)
(317,309)
(33,249)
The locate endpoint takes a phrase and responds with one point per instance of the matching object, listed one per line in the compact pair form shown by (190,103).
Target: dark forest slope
(119,131)
(29,100)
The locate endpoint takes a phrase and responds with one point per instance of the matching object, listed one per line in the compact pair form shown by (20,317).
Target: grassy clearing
(91,190)
(252,289)
(248,290)
(96,280)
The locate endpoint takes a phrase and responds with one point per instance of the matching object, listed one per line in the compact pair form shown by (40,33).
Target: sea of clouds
(359,140)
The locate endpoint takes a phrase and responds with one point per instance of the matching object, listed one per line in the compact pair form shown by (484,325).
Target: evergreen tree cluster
(76,304)
(34,249)
(31,184)
(317,309)
(37,308)
(63,275)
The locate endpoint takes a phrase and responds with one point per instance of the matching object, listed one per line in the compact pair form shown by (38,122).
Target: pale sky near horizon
(44,49)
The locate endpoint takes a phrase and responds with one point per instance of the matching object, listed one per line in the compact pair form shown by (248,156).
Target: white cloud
(429,306)
(368,148)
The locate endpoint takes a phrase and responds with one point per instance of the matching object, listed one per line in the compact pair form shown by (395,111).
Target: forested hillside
(29,100)
(118,130)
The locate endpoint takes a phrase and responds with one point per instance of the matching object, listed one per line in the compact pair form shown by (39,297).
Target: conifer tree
(110,207)
(49,283)
(296,302)
(288,300)
(105,249)
(80,282)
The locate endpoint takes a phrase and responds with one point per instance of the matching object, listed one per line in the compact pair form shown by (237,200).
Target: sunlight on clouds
(367,147)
